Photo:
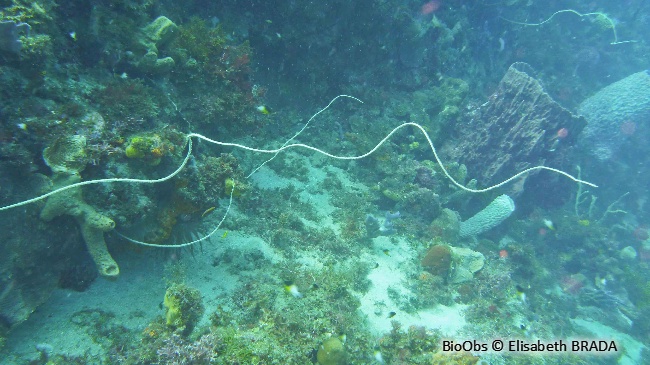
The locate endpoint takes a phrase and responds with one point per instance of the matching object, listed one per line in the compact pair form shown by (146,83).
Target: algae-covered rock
(150,63)
(628,253)
(454,90)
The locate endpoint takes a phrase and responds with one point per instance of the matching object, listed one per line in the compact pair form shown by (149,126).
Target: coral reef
(177,350)
(111,87)
(129,102)
(415,344)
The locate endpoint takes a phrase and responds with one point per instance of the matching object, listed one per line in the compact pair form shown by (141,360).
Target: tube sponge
(488,218)
(93,224)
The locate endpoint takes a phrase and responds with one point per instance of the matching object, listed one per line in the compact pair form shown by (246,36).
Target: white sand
(391,273)
(134,299)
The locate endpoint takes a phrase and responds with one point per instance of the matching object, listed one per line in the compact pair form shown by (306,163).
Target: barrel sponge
(488,218)
(93,224)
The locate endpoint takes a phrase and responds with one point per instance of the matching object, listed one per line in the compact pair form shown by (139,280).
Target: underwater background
(321,182)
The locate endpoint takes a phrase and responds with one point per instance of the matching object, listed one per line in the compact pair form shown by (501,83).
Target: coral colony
(386,228)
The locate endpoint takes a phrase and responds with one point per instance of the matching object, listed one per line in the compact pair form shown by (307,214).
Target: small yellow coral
(150,148)
(173,306)
(132,152)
